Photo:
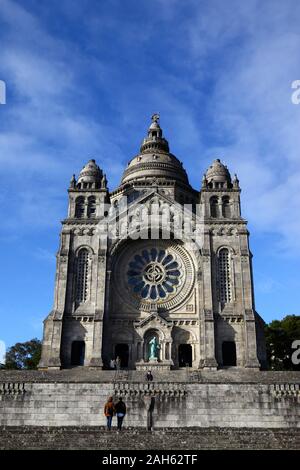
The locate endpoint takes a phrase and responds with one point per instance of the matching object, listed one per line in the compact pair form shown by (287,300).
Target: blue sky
(83,79)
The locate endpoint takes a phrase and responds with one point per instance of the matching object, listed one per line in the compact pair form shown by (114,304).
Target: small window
(91,210)
(79,207)
(82,276)
(214,207)
(224,276)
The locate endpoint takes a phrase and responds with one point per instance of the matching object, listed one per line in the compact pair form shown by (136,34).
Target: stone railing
(279,391)
(158,389)
(8,388)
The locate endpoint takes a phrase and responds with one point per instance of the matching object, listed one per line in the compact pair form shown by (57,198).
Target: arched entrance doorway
(122,351)
(185,355)
(77,353)
(229,353)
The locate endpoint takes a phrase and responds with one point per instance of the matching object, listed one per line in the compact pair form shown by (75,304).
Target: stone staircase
(85,375)
(93,438)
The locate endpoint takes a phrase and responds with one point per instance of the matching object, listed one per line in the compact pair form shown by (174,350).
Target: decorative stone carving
(208,315)
(161,273)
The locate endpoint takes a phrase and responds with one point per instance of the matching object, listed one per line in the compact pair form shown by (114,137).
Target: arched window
(224,276)
(79,207)
(82,276)
(214,206)
(226,207)
(91,210)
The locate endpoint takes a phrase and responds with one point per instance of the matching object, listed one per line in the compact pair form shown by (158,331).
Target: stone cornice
(93,221)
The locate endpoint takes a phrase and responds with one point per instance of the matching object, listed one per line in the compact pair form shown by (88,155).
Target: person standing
(149,376)
(109,410)
(120,408)
(113,364)
(118,363)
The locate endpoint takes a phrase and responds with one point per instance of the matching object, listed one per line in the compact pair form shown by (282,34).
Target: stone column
(251,359)
(134,358)
(163,351)
(220,207)
(50,358)
(206,316)
(100,287)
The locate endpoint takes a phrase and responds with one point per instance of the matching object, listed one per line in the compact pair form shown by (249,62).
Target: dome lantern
(154,140)
(155,159)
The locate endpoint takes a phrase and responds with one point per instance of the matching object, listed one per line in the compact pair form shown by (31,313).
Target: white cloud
(244,53)
(45,138)
(251,105)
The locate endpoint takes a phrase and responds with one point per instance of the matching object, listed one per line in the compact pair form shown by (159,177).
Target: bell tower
(73,329)
(226,242)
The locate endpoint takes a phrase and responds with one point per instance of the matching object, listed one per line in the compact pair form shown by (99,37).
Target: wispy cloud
(223,90)
(84,77)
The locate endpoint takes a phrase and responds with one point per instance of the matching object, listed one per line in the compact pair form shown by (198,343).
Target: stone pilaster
(100,293)
(208,359)
(248,303)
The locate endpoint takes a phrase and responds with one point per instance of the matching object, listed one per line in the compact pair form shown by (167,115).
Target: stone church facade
(154,258)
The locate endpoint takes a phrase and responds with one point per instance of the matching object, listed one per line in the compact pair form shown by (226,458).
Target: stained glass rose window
(153,274)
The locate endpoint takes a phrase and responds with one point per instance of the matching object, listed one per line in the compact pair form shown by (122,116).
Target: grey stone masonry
(186,399)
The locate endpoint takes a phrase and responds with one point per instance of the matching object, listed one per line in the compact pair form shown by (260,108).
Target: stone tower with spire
(129,270)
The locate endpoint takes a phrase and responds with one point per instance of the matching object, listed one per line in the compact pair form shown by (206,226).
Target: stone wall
(182,403)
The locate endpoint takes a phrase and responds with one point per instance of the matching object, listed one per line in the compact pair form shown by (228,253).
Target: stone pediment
(151,203)
(152,196)
(154,320)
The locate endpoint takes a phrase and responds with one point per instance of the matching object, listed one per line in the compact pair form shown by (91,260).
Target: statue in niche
(153,349)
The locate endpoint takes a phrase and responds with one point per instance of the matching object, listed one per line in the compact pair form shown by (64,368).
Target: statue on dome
(155,117)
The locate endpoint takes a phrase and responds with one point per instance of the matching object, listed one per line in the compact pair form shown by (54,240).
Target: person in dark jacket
(149,376)
(109,411)
(120,409)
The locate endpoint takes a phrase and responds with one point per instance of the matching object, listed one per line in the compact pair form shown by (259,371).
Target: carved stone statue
(154,347)
(155,117)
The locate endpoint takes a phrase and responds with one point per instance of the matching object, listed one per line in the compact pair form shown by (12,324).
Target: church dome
(154,159)
(218,173)
(90,173)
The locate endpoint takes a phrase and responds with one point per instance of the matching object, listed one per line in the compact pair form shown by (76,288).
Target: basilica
(154,262)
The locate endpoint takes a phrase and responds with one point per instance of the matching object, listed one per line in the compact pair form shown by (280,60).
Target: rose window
(153,274)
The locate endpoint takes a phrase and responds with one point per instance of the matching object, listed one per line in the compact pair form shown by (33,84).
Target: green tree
(280,335)
(24,355)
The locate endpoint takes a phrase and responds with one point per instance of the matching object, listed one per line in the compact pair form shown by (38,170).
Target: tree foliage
(280,335)
(23,355)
